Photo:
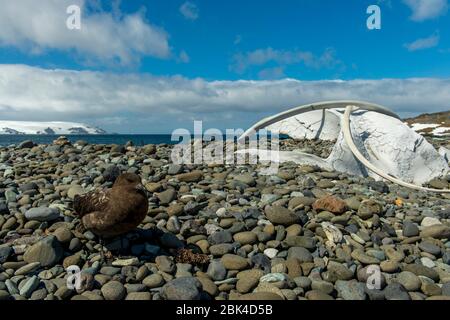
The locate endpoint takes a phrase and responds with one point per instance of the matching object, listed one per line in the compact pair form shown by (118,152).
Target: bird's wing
(96,200)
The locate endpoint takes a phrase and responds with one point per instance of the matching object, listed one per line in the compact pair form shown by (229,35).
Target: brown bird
(116,211)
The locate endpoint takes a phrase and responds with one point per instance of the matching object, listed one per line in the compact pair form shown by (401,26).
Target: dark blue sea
(137,139)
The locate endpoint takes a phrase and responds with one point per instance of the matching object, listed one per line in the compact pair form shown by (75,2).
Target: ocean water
(137,139)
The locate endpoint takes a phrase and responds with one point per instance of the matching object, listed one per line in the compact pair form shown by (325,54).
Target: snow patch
(46,128)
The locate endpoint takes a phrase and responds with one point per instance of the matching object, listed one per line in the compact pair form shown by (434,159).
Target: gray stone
(48,252)
(220,237)
(409,280)
(174,169)
(216,270)
(302,254)
(245,178)
(12,287)
(42,214)
(5,252)
(185,288)
(165,264)
(410,229)
(430,247)
(4,208)
(281,215)
(30,285)
(153,281)
(351,290)
(446,289)
(27,144)
(113,290)
(395,291)
(167,196)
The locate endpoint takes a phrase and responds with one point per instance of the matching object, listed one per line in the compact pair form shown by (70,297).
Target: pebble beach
(302,233)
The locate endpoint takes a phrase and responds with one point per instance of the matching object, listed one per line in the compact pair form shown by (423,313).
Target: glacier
(47,128)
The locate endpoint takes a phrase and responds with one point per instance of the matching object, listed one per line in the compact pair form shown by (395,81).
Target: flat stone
(331,204)
(351,290)
(245,178)
(47,251)
(436,231)
(430,247)
(193,176)
(138,296)
(5,252)
(234,262)
(420,270)
(42,214)
(216,270)
(430,221)
(153,281)
(113,290)
(409,281)
(165,264)
(300,253)
(281,215)
(185,288)
(245,237)
(364,258)
(30,285)
(317,295)
(395,291)
(368,208)
(410,229)
(27,268)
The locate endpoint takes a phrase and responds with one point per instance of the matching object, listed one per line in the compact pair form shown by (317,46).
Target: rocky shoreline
(302,233)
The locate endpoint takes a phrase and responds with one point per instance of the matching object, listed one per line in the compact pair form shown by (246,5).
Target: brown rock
(331,204)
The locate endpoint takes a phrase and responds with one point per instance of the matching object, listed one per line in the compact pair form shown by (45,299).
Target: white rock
(271,253)
(332,232)
(273,277)
(429,221)
(126,262)
(221,212)
(211,228)
(427,262)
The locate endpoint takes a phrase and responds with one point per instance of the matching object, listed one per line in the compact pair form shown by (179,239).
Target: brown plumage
(115,211)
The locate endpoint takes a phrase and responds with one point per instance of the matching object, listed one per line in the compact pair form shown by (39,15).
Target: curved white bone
(349,140)
(341,158)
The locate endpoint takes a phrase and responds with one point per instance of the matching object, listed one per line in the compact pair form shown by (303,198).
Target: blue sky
(225,62)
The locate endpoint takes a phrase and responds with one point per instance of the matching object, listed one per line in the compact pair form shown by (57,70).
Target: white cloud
(424,43)
(243,61)
(37,26)
(426,9)
(189,10)
(163,103)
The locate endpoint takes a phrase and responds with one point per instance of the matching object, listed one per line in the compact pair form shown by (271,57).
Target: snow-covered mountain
(30,127)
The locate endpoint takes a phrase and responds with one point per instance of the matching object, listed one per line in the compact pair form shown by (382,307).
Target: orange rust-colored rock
(331,204)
